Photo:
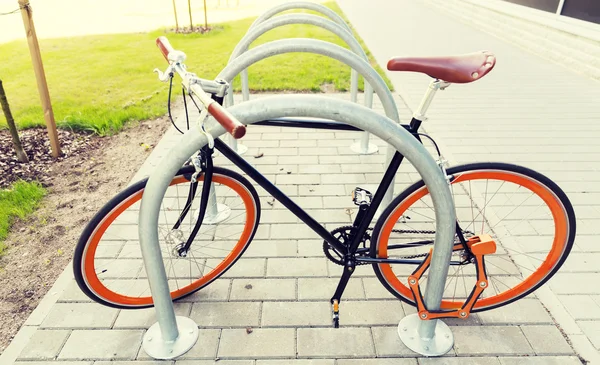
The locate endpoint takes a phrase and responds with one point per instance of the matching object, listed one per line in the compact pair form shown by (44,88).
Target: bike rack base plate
(241,149)
(358,148)
(223,212)
(157,348)
(440,344)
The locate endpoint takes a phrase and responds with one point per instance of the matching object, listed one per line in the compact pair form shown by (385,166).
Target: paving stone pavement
(282,284)
(528,111)
(291,283)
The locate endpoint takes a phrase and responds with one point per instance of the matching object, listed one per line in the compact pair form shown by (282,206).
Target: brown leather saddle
(459,69)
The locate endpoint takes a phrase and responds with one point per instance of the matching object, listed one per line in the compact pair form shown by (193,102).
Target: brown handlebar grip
(228,121)
(164,46)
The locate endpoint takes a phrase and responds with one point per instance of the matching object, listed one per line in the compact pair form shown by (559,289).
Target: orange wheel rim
(561,232)
(96,285)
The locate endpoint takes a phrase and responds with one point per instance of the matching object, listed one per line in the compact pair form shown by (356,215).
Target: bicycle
(209,216)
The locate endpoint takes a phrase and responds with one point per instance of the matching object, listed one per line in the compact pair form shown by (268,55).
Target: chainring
(343,235)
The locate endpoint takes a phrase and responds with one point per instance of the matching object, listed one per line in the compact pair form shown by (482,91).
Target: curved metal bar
(299,106)
(337,19)
(301,5)
(341,54)
(260,29)
(296,6)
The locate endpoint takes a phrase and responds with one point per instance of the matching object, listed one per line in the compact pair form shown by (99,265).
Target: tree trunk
(21,155)
(40,76)
(205,18)
(176,21)
(190,11)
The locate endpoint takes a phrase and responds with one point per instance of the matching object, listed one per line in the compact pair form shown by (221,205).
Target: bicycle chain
(326,245)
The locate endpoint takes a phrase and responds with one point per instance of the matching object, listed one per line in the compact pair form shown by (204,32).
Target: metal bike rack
(306,45)
(213,215)
(242,58)
(297,6)
(259,29)
(172,336)
(362,67)
(336,25)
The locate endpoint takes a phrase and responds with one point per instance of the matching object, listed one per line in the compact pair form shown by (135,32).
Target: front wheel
(528,216)
(108,264)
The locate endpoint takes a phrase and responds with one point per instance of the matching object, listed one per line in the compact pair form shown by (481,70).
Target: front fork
(204,165)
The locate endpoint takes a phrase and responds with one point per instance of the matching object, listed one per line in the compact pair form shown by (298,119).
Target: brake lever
(164,76)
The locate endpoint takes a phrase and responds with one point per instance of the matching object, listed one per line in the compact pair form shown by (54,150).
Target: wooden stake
(38,68)
(176,22)
(21,155)
(205,18)
(190,11)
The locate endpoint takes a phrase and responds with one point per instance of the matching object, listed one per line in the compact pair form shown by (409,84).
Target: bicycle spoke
(422,215)
(515,208)
(465,284)
(456,282)
(490,262)
(472,207)
(524,254)
(511,209)
(486,204)
(196,262)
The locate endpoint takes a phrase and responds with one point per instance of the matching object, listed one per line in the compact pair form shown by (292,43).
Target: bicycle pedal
(336,314)
(361,197)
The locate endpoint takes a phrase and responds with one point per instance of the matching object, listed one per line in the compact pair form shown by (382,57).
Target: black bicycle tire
(186,171)
(542,179)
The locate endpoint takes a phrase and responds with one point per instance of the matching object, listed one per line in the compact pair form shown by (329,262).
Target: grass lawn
(98,83)
(18,201)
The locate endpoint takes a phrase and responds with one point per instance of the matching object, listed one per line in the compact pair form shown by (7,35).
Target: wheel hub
(176,240)
(179,251)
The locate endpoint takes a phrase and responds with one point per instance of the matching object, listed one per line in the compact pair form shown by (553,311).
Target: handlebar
(175,59)
(164,46)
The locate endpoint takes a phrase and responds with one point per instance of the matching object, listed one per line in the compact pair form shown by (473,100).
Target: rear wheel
(108,264)
(526,214)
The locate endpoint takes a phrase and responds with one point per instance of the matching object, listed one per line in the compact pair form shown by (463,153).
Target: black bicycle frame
(362,220)
(365,216)
(368,215)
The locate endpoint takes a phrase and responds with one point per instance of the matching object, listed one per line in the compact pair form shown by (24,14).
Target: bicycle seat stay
(458,69)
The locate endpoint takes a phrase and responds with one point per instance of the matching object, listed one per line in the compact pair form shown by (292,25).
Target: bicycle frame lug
(420,117)
(222,88)
(198,166)
(442,163)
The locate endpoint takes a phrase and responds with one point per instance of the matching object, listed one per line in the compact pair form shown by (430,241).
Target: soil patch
(79,183)
(37,146)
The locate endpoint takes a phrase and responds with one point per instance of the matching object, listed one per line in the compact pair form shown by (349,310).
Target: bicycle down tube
(297,210)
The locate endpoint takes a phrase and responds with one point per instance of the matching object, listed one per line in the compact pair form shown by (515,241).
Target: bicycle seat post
(434,86)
